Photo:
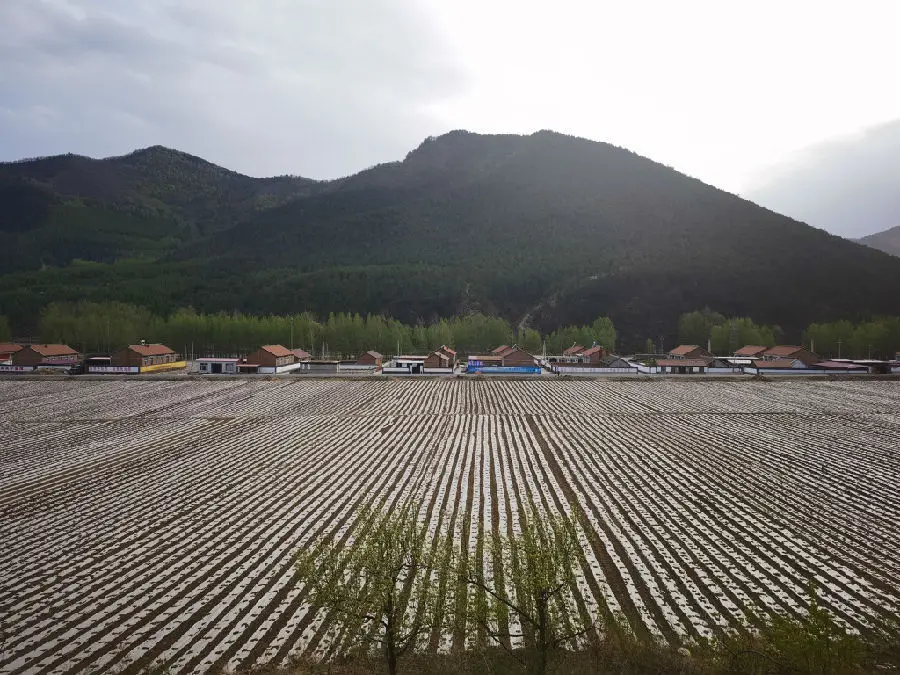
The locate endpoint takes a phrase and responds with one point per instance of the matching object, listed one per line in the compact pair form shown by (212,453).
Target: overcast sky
(733,93)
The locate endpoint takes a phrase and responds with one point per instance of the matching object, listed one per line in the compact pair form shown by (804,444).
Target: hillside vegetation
(543,230)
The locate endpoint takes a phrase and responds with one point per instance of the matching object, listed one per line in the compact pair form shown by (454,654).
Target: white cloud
(319,89)
(716,89)
(847,186)
(719,90)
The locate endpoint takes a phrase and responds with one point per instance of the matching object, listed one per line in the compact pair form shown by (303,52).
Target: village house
(513,357)
(510,359)
(301,355)
(689,352)
(217,366)
(450,353)
(269,359)
(7,349)
(143,358)
(574,350)
(438,360)
(750,352)
(791,352)
(46,354)
(595,355)
(302,359)
(410,365)
(684,366)
(370,358)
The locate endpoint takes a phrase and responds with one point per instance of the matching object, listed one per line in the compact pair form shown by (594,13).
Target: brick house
(793,352)
(450,353)
(301,355)
(437,359)
(271,356)
(35,355)
(7,349)
(574,350)
(370,358)
(751,352)
(513,356)
(143,356)
(594,355)
(689,352)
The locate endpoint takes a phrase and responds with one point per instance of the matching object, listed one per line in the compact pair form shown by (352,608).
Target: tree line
(725,335)
(877,338)
(103,327)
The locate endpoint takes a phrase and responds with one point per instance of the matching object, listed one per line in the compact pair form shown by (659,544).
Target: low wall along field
(149,521)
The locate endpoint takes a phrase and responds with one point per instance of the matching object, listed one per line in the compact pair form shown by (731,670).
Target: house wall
(435,361)
(29,357)
(7,356)
(806,356)
(269,360)
(129,357)
(368,360)
(518,358)
(588,370)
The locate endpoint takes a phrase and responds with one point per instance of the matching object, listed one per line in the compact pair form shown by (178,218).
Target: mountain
(147,203)
(544,229)
(887,241)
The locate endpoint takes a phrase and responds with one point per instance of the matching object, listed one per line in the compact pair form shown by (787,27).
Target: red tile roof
(592,350)
(301,355)
(52,350)
(750,350)
(500,349)
(277,350)
(684,362)
(9,348)
(573,350)
(151,350)
(683,350)
(839,365)
(445,348)
(783,350)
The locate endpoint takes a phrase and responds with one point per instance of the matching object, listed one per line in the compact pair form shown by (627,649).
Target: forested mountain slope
(144,204)
(555,228)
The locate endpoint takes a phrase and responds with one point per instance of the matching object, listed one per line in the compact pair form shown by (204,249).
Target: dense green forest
(103,327)
(725,335)
(877,339)
(543,231)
